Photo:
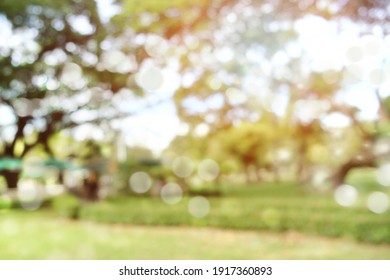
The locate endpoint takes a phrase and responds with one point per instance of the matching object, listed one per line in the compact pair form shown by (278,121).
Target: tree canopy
(254,77)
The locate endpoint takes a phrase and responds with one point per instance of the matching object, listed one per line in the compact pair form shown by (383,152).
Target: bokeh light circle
(199,206)
(74,178)
(183,166)
(378,202)
(373,46)
(235,96)
(208,169)
(150,78)
(156,46)
(171,193)
(29,195)
(140,182)
(354,54)
(346,195)
(383,174)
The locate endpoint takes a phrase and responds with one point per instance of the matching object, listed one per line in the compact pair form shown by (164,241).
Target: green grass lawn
(277,208)
(266,221)
(42,236)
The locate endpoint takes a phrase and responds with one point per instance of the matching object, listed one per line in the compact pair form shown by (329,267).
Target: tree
(238,61)
(60,74)
(250,144)
(249,58)
(40,74)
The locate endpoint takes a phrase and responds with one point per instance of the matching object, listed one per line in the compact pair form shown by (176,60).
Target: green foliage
(363,179)
(6,203)
(153,16)
(158,6)
(53,30)
(247,144)
(152,167)
(66,206)
(13,8)
(269,207)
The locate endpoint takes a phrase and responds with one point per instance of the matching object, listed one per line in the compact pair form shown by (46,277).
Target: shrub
(264,209)
(6,203)
(67,206)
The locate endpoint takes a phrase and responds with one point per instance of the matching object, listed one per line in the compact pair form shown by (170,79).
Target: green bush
(265,209)
(66,206)
(372,232)
(6,203)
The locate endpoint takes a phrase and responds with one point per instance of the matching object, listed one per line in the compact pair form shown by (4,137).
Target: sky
(107,9)
(332,47)
(156,127)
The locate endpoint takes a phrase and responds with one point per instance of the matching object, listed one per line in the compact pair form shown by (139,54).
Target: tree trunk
(342,172)
(61,177)
(91,187)
(11,178)
(248,174)
(302,164)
